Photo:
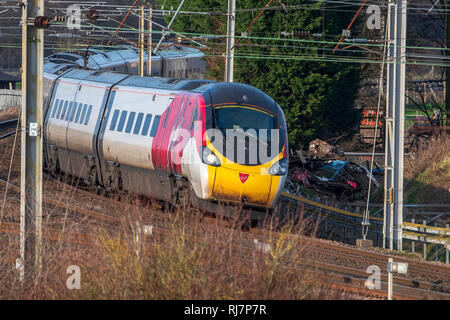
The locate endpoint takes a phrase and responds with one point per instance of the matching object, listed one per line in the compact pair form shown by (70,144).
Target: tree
(317,96)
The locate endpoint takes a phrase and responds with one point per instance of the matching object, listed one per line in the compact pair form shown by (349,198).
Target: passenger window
(69,111)
(137,126)
(155,126)
(130,122)
(114,120)
(88,115)
(147,121)
(64,110)
(123,116)
(55,107)
(59,109)
(83,113)
(77,117)
(72,114)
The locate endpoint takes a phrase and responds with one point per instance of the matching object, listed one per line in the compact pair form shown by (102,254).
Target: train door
(83,123)
(57,121)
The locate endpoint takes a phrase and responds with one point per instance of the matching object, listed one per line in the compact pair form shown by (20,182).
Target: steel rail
(56,235)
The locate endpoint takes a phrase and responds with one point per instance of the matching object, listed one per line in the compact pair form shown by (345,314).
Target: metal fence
(10,98)
(422,229)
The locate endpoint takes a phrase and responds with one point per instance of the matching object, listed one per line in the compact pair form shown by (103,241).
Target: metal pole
(141,40)
(447,69)
(388,161)
(447,246)
(31,139)
(413,243)
(395,107)
(436,248)
(424,243)
(390,281)
(149,42)
(229,62)
(399,122)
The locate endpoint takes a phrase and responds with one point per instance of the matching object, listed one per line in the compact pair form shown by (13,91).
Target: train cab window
(59,109)
(64,110)
(155,126)
(123,116)
(77,117)
(69,111)
(137,126)
(83,114)
(130,122)
(86,121)
(55,107)
(112,126)
(148,120)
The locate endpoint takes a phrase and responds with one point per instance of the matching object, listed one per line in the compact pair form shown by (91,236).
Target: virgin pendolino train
(157,137)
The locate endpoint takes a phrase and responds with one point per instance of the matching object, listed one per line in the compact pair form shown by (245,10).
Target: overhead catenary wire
(125,18)
(252,23)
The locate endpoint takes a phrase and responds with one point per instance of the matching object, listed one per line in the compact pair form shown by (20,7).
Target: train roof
(163,83)
(222,92)
(95,75)
(239,94)
(134,80)
(97,58)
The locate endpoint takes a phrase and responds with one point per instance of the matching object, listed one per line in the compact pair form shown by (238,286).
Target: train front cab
(236,172)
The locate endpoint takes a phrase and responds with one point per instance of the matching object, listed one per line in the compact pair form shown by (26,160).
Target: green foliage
(317,97)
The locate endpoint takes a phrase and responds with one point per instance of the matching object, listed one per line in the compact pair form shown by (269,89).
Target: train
(176,61)
(165,138)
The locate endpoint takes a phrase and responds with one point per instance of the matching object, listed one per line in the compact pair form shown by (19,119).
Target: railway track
(327,273)
(332,275)
(8,124)
(344,278)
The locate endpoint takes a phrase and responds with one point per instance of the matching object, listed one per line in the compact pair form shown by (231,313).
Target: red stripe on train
(174,132)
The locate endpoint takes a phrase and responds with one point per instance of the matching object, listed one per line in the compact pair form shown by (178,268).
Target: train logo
(243,177)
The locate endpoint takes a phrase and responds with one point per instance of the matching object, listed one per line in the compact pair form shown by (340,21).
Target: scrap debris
(328,177)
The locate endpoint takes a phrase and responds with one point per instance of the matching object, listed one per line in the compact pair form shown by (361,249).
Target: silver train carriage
(122,131)
(176,61)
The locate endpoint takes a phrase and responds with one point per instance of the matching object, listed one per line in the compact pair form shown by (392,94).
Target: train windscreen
(240,119)
(253,130)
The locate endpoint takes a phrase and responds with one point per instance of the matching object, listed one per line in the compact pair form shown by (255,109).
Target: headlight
(209,158)
(279,168)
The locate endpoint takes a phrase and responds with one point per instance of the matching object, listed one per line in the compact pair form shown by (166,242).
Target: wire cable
(366,217)
(10,168)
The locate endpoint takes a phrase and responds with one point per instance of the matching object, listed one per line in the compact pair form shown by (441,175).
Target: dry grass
(188,256)
(9,113)
(427,172)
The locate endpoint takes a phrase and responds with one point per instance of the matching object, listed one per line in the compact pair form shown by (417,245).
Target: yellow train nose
(241,186)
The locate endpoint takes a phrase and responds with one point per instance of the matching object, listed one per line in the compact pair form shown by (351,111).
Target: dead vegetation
(427,172)
(186,256)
